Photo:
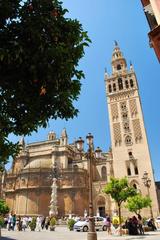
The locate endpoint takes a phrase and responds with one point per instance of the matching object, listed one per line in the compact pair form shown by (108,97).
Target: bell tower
(131,156)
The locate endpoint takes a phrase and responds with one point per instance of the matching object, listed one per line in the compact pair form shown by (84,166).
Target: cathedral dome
(39,163)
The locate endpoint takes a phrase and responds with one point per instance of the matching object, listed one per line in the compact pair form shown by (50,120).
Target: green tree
(136,203)
(39,76)
(3,207)
(119,190)
(3,210)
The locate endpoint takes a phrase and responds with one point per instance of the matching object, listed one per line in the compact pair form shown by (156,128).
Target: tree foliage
(136,203)
(120,191)
(3,207)
(39,77)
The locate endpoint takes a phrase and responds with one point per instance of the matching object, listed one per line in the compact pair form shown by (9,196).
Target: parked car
(83,225)
(157,222)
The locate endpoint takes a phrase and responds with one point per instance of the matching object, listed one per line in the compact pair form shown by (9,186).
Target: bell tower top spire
(118,61)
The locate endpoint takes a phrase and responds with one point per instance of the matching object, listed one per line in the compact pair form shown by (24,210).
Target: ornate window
(114,87)
(118,67)
(109,88)
(120,83)
(128,171)
(123,106)
(126,127)
(131,83)
(126,84)
(125,116)
(136,170)
(128,140)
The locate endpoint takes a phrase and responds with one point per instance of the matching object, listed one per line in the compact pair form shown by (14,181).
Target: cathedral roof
(39,163)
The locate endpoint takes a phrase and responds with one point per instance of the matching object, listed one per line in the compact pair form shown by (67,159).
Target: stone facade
(27,185)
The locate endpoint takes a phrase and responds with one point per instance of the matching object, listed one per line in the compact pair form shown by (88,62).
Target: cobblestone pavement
(62,233)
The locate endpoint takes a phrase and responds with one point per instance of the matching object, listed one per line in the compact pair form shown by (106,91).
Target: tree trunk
(120,223)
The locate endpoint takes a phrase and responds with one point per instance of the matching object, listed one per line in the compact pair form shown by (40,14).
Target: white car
(157,222)
(83,225)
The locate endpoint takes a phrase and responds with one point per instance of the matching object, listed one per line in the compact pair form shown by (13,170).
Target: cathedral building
(27,185)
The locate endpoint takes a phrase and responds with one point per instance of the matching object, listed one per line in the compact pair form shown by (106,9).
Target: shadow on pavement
(139,237)
(7,238)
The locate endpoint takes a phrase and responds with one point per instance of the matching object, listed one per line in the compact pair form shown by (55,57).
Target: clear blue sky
(106,21)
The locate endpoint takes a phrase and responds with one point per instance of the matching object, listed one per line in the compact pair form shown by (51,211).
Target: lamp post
(53,202)
(147,183)
(91,235)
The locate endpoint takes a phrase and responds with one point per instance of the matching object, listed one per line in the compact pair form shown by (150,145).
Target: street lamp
(91,235)
(147,183)
(53,203)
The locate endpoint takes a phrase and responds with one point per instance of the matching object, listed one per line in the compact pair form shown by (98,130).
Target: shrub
(32,224)
(52,221)
(70,223)
(1,221)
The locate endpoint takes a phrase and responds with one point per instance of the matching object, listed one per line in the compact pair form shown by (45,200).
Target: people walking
(108,224)
(38,223)
(13,221)
(140,225)
(10,222)
(24,223)
(19,223)
(46,223)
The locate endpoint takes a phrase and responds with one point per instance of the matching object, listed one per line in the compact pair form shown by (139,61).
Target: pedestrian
(43,222)
(151,224)
(19,224)
(140,225)
(24,223)
(10,221)
(38,224)
(108,224)
(46,223)
(135,225)
(14,221)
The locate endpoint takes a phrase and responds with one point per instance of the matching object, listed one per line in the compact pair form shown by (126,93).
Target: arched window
(118,67)
(136,170)
(109,88)
(128,140)
(126,84)
(129,171)
(135,186)
(104,173)
(120,83)
(131,83)
(114,87)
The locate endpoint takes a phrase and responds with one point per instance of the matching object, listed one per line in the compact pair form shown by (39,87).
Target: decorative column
(53,203)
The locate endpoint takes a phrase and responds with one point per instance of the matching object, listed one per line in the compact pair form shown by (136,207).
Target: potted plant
(32,224)
(70,223)
(52,223)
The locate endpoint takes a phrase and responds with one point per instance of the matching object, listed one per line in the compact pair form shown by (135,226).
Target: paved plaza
(62,233)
